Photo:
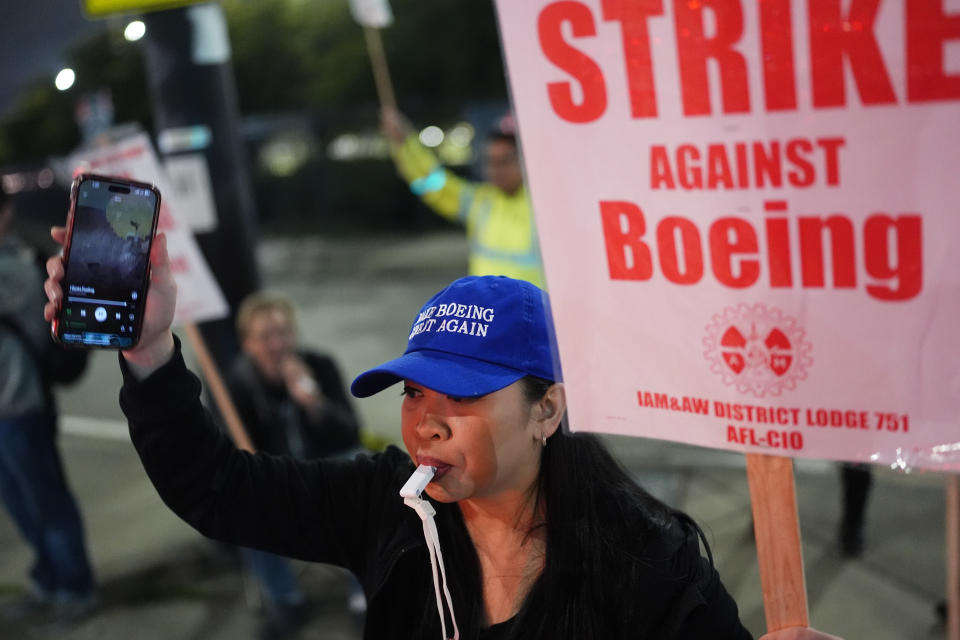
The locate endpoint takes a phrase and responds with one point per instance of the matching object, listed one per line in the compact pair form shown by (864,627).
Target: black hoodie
(349,513)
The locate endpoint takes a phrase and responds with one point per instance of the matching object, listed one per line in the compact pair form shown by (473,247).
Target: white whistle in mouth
(418,482)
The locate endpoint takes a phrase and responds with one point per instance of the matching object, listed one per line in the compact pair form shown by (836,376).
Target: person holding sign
(500,226)
(545,535)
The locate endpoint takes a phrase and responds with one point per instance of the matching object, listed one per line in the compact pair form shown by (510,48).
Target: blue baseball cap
(478,335)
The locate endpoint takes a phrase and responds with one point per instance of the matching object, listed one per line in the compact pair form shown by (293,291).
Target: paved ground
(160,580)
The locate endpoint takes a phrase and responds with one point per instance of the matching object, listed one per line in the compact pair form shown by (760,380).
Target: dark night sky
(34,38)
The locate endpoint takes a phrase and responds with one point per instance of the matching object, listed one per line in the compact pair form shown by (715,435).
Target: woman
(543,535)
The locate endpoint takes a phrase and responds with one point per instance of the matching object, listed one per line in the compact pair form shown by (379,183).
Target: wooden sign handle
(777,528)
(381,74)
(220,394)
(953,557)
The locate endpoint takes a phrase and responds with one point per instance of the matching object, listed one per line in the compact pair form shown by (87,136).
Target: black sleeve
(717,616)
(65,365)
(324,511)
(679,595)
(337,423)
(708,609)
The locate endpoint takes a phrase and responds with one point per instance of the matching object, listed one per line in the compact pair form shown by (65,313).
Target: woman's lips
(442,467)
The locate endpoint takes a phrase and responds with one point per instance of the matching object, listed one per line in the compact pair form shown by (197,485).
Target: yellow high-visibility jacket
(500,227)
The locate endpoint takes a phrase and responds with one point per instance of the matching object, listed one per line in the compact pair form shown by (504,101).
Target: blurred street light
(461,135)
(65,79)
(431,136)
(135,30)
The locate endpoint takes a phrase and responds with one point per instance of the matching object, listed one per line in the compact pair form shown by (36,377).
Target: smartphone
(106,258)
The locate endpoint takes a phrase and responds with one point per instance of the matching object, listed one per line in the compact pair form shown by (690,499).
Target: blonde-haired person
(537,532)
(292,402)
(290,398)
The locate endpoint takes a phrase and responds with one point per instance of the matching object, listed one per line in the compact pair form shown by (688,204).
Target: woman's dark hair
(535,388)
(597,518)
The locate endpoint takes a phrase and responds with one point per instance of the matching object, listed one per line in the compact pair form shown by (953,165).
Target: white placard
(199,297)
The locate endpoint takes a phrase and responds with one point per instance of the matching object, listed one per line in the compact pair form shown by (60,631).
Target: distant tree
(108,61)
(40,124)
(446,49)
(311,55)
(287,55)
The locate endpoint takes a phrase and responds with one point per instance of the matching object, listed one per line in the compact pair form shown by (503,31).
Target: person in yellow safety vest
(497,216)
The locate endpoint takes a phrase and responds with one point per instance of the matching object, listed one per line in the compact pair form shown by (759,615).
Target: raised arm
(309,510)
(444,191)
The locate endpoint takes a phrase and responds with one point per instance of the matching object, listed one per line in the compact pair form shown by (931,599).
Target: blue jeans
(34,489)
(277,582)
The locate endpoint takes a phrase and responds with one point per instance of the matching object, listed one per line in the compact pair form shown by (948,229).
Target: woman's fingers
(53,290)
(59,234)
(159,258)
(54,293)
(55,268)
(51,286)
(49,311)
(160,262)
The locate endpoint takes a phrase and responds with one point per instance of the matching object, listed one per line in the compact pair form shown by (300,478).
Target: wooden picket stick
(381,74)
(777,529)
(953,557)
(220,394)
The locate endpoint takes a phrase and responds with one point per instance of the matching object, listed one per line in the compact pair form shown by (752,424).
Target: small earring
(543,439)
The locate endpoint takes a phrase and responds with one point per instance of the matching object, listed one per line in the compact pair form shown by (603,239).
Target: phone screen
(106,262)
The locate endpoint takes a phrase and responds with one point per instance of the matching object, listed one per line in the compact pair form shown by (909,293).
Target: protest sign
(199,297)
(189,177)
(748,214)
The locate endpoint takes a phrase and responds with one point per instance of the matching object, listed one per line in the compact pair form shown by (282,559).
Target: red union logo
(757,349)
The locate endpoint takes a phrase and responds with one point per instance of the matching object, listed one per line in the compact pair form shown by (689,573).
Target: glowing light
(461,135)
(13,183)
(431,136)
(345,147)
(284,155)
(65,79)
(135,30)
(348,147)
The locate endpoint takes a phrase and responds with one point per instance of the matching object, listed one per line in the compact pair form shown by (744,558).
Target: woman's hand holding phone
(156,338)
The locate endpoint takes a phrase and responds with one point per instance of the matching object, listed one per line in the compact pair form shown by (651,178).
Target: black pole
(192,87)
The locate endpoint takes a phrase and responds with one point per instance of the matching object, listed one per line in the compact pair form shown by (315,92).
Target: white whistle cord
(426,512)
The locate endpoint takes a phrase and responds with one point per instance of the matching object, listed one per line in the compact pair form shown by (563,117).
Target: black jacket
(349,513)
(269,414)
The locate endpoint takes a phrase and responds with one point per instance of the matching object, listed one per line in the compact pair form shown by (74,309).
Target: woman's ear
(551,408)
